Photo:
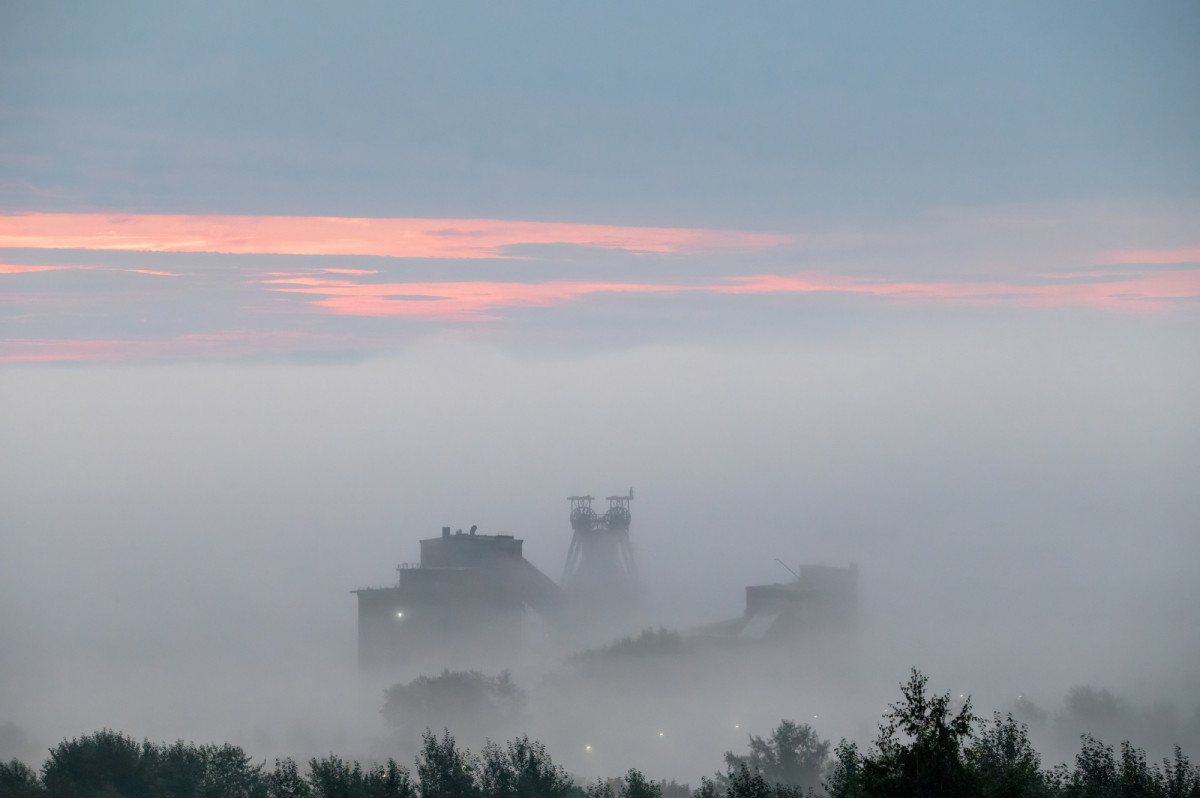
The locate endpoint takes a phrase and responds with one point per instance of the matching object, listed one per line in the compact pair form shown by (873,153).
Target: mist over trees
(455,699)
(928,744)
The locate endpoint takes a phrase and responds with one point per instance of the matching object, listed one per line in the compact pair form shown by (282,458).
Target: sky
(285,287)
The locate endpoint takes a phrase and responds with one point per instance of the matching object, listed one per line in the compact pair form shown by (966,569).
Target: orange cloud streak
(321,235)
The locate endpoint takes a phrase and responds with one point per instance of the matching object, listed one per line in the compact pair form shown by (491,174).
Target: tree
(1095,774)
(1136,779)
(1004,762)
(1180,778)
(285,781)
(444,771)
(523,769)
(746,783)
(18,780)
(389,780)
(96,764)
(637,786)
(333,777)
(179,769)
(229,772)
(845,773)
(673,789)
(602,788)
(919,751)
(794,755)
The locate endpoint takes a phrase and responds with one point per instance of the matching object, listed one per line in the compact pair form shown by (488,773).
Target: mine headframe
(583,517)
(618,516)
(600,543)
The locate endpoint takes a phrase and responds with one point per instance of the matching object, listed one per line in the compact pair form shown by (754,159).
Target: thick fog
(180,541)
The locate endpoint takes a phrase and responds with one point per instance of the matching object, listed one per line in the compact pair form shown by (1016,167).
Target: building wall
(463,608)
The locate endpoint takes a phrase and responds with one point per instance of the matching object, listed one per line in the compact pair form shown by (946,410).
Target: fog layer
(179,542)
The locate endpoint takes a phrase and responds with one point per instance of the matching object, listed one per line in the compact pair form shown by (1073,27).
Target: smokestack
(445,531)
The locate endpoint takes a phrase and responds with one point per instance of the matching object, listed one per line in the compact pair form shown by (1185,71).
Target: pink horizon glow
(483,301)
(52,350)
(322,235)
(479,299)
(199,345)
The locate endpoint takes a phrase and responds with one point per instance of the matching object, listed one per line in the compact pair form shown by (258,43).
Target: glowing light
(587,748)
(660,734)
(399,615)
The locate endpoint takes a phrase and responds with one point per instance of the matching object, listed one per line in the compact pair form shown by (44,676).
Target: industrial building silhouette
(465,604)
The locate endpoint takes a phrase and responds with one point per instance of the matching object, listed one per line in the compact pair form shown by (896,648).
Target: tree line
(927,746)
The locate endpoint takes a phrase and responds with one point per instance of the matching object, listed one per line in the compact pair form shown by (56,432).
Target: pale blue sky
(694,114)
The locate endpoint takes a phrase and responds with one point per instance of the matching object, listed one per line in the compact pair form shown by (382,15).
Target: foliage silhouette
(920,746)
(927,746)
(794,755)
(444,770)
(18,780)
(1004,761)
(99,763)
(523,769)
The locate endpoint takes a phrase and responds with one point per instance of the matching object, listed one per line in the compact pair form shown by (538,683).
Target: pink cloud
(1141,293)
(479,300)
(972,269)
(11,269)
(319,235)
(447,300)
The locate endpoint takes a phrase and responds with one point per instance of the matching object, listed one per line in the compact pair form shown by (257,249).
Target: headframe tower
(601,556)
